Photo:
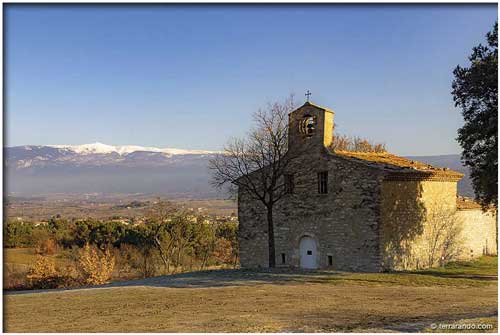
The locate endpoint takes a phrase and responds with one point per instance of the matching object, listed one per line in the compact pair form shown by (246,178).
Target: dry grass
(267,307)
(24,256)
(466,324)
(27,256)
(276,301)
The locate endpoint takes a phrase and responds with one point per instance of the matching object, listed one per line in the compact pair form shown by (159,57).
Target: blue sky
(191,76)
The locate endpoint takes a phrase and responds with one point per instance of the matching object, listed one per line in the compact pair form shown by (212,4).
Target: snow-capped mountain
(97,167)
(96,154)
(100,148)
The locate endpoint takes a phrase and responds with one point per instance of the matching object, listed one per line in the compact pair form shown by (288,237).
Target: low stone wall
(413,216)
(421,226)
(479,233)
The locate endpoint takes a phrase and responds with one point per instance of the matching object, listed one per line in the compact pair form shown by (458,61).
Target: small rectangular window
(283,258)
(309,252)
(289,183)
(323,182)
(330,260)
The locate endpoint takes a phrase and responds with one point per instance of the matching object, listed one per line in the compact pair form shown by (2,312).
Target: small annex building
(357,211)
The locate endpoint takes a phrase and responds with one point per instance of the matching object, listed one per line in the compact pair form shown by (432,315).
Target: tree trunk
(205,259)
(162,253)
(180,249)
(270,236)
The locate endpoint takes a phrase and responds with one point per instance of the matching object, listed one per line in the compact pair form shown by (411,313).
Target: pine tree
(475,91)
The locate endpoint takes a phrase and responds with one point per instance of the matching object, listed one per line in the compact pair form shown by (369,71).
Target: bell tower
(310,125)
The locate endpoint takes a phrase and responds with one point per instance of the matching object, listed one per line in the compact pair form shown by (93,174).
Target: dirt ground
(245,301)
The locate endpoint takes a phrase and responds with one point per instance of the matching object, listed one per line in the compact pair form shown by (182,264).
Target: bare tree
(442,236)
(157,217)
(256,164)
(355,143)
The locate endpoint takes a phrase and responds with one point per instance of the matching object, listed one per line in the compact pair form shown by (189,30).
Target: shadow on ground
(232,277)
(248,277)
(395,323)
(458,275)
(215,278)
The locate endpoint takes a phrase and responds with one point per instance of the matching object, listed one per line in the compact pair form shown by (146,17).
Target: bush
(17,234)
(95,266)
(168,241)
(43,275)
(14,277)
(223,252)
(39,235)
(128,261)
(46,247)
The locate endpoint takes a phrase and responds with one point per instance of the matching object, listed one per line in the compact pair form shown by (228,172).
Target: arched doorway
(308,253)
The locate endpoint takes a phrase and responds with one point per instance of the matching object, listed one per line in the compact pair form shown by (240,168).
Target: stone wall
(252,232)
(411,210)
(373,218)
(323,133)
(343,222)
(402,213)
(417,216)
(479,234)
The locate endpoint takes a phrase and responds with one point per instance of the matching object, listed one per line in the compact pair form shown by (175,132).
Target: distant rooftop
(464,203)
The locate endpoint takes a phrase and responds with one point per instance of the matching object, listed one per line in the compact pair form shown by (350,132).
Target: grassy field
(27,256)
(488,321)
(21,259)
(276,301)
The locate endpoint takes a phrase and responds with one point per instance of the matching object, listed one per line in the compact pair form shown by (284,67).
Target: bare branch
(256,164)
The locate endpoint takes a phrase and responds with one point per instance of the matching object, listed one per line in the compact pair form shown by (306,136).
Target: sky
(190,76)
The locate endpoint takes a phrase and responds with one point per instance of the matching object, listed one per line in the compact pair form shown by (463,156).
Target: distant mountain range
(90,168)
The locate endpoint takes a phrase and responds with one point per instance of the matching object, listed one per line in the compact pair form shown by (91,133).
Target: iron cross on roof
(308,94)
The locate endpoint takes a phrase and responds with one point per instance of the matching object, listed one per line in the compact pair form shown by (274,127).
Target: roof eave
(310,104)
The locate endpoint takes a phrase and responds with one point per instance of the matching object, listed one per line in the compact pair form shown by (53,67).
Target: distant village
(39,210)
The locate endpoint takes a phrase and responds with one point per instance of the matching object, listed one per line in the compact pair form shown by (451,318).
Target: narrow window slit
(289,183)
(323,182)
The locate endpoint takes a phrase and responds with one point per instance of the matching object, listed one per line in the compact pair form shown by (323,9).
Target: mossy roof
(464,203)
(400,165)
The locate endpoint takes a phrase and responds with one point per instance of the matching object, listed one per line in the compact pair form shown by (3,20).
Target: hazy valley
(99,168)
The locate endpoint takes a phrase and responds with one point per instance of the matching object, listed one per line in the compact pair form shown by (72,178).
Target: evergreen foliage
(475,91)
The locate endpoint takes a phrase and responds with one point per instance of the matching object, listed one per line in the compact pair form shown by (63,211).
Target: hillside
(100,168)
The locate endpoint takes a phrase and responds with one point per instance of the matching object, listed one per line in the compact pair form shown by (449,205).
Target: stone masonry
(372,217)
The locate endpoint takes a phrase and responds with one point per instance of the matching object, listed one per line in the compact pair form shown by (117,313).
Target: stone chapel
(357,211)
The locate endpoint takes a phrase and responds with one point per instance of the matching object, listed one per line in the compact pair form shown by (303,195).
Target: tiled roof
(400,167)
(464,203)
